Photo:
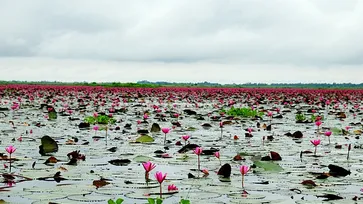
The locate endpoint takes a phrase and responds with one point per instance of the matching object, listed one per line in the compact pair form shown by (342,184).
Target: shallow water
(78,187)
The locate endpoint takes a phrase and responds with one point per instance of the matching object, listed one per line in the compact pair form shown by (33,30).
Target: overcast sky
(225,41)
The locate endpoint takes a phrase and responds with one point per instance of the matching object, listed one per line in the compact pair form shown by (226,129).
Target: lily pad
(268,166)
(48,146)
(141,159)
(145,139)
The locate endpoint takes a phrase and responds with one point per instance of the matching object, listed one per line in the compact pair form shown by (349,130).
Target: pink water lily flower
(328,134)
(148,166)
(249,130)
(318,123)
(165,130)
(217,155)
(198,151)
(160,177)
(10,149)
(243,169)
(315,142)
(146,116)
(172,187)
(185,137)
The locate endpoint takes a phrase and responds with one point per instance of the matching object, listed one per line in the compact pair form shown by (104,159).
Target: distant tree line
(148,84)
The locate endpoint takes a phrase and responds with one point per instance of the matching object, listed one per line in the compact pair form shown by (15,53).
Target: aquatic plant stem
(198,164)
(10,163)
(147,178)
(243,181)
(315,151)
(164,138)
(161,192)
(221,133)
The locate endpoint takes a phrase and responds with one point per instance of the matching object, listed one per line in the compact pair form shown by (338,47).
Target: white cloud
(37,69)
(188,35)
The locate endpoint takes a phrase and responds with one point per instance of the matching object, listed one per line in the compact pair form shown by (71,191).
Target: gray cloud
(297,33)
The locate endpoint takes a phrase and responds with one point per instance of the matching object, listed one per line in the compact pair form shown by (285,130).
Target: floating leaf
(337,171)
(51,160)
(100,183)
(275,156)
(120,162)
(309,183)
(48,145)
(336,131)
(188,147)
(155,128)
(145,139)
(52,115)
(142,159)
(191,129)
(329,197)
(357,132)
(268,166)
(225,171)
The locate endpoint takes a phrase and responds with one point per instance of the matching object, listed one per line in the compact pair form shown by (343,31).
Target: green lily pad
(141,159)
(336,131)
(245,154)
(52,115)
(48,145)
(145,139)
(268,166)
(191,129)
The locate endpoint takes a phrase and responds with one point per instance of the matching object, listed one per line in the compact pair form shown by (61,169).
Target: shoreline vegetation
(148,84)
